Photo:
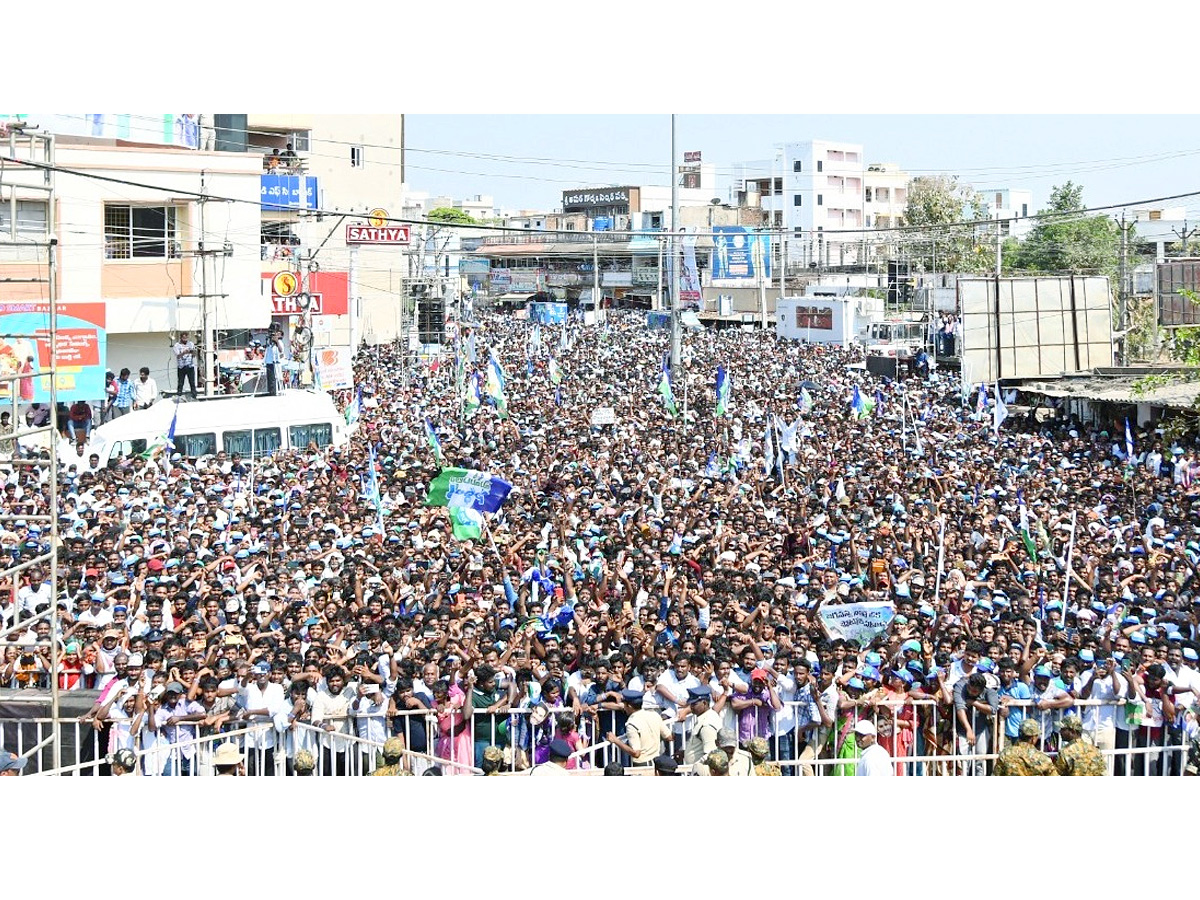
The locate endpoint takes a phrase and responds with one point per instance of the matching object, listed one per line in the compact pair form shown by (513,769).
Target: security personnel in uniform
(1077,757)
(758,749)
(393,751)
(703,739)
(1022,758)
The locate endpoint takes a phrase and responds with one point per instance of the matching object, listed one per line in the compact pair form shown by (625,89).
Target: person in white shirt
(873,760)
(1103,683)
(331,712)
(672,688)
(260,701)
(145,390)
(36,595)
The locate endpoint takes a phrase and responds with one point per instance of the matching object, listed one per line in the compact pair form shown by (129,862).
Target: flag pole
(937,585)
(1070,552)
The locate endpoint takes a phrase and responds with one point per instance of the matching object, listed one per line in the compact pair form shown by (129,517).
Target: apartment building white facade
(1014,206)
(813,190)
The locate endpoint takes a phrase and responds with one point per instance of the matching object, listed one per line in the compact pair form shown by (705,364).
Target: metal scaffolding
(30,242)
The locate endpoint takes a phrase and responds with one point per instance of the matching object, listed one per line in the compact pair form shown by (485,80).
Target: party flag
(434,443)
(723,385)
(664,388)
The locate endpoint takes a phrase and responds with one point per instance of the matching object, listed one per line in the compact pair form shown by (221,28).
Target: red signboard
(76,347)
(330,295)
(367,234)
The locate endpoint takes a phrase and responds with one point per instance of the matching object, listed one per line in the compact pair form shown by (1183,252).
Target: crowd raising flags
(354,408)
(473,400)
(860,406)
(467,494)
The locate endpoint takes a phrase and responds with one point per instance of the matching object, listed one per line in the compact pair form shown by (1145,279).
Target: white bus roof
(222,413)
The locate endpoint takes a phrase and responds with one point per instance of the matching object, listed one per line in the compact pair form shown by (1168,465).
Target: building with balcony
(885,195)
(813,190)
(135,251)
(319,173)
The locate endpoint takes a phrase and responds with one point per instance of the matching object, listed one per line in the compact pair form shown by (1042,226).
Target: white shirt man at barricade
(676,683)
(1103,683)
(370,710)
(261,700)
(873,760)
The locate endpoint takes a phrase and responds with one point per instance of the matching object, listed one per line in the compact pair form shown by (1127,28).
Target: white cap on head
(864,728)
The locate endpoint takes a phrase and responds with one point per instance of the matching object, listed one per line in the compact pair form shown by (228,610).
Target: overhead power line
(895,229)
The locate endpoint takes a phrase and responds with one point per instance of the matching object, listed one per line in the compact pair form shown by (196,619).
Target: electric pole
(676,328)
(1123,292)
(208,331)
(1183,237)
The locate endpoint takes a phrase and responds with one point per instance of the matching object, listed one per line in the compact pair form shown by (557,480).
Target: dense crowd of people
(652,593)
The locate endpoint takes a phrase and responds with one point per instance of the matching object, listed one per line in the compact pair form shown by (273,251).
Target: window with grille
(140,232)
(356,157)
(31,217)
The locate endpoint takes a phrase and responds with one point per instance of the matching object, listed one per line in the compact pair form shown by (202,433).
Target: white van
(252,426)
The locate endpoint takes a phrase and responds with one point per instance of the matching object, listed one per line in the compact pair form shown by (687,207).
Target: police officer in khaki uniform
(703,739)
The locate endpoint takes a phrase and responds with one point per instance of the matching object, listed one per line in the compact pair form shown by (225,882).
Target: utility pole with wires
(1183,236)
(208,318)
(1123,291)
(673,287)
(20,445)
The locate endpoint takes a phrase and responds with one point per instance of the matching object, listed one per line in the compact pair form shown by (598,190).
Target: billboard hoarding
(739,253)
(388,234)
(1034,327)
(80,354)
(283,191)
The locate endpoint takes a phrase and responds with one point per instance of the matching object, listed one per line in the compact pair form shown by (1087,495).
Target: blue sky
(1117,159)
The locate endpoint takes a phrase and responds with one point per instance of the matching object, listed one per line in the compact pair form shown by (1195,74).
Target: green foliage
(450,216)
(941,204)
(1066,243)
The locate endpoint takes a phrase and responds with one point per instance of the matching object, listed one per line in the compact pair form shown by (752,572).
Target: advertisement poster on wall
(82,348)
(737,252)
(335,370)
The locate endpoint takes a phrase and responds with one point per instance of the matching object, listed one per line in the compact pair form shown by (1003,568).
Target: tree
(436,238)
(939,205)
(451,216)
(1068,242)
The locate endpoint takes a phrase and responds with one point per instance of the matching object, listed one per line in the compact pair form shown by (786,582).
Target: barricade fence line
(924,737)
